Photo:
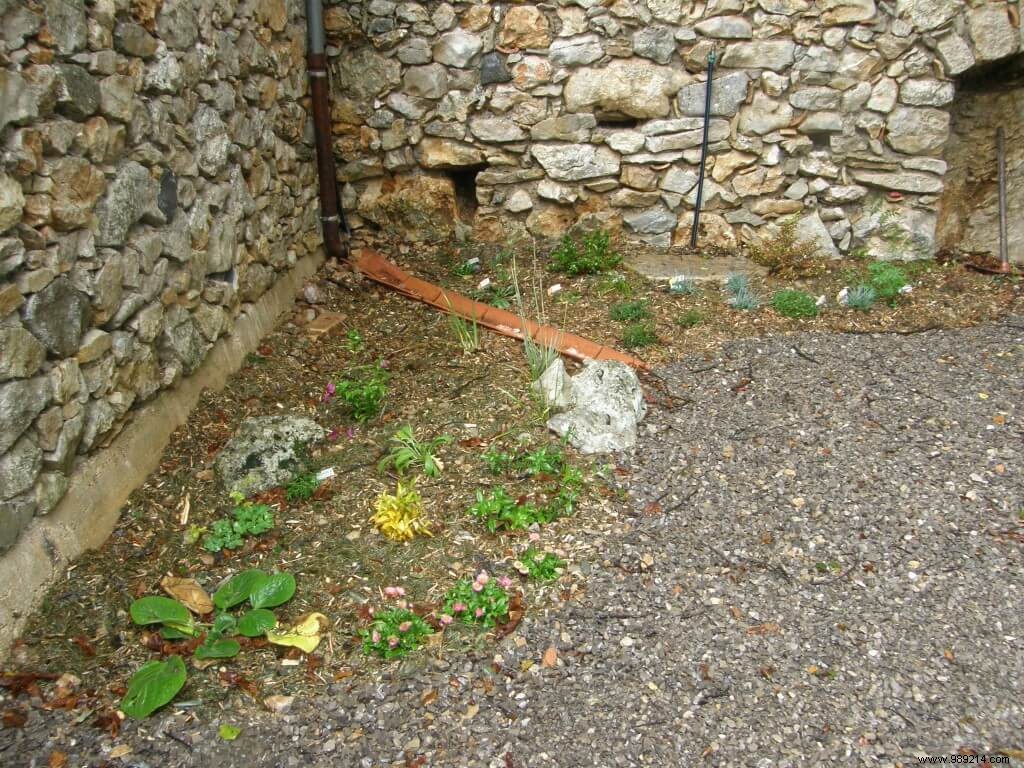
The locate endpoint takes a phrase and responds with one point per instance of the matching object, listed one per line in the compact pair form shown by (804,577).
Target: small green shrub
(543,461)
(795,304)
(497,461)
(596,255)
(614,283)
(394,633)
(861,297)
(407,451)
(690,318)
(480,601)
(784,254)
(498,510)
(301,488)
(639,335)
(364,393)
(540,566)
(629,311)
(887,280)
(353,341)
(741,294)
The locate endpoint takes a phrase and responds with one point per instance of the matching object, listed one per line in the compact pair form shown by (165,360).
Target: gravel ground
(818,562)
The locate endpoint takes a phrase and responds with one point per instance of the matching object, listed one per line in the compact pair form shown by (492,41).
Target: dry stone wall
(156,176)
(550,114)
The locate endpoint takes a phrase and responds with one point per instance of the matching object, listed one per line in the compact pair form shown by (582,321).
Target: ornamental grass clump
(399,516)
(482,601)
(861,298)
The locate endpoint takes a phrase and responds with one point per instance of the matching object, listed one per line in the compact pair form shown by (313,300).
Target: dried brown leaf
(189,593)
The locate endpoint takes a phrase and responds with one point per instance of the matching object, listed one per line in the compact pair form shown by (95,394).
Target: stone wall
(156,177)
(837,111)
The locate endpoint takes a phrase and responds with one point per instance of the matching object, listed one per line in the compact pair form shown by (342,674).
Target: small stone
(78,93)
(496,129)
(576,51)
(633,87)
(576,162)
(263,452)
(58,316)
(21,400)
(457,48)
(429,82)
(654,42)
(524,26)
(726,27)
(727,93)
(12,202)
(519,201)
(493,69)
(775,55)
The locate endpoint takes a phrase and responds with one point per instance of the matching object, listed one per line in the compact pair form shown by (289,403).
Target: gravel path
(820,563)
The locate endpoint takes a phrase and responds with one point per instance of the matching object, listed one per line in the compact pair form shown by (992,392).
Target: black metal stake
(703,152)
(1004,259)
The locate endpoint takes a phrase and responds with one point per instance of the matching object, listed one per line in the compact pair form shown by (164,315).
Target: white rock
(606,407)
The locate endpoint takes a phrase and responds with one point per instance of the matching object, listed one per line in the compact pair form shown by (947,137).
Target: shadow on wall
(987,98)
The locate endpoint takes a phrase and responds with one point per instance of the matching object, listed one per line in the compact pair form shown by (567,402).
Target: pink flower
(405,626)
(445,619)
(482,577)
(393,641)
(477,586)
(459,607)
(350,433)
(333,436)
(394,591)
(534,536)
(478,612)
(329,392)
(375,637)
(505,582)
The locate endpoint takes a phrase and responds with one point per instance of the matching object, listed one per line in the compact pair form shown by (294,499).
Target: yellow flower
(400,516)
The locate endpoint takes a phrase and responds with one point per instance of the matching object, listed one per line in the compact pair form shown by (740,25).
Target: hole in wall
(464,181)
(987,98)
(616,120)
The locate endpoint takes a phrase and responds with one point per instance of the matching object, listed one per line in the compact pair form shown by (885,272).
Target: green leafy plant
(497,461)
(301,488)
(596,255)
(157,682)
(639,335)
(407,451)
(795,304)
(499,510)
(364,392)
(614,283)
(629,311)
(249,520)
(861,297)
(887,280)
(690,318)
(466,267)
(479,601)
(543,461)
(394,633)
(540,566)
(353,341)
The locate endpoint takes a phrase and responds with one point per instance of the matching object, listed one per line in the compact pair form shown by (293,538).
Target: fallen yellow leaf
(304,634)
(189,593)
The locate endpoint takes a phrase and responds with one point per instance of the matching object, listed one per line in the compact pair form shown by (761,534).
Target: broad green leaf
(223,624)
(238,588)
(159,610)
(304,634)
(218,649)
(256,622)
(175,631)
(155,683)
(277,589)
(229,732)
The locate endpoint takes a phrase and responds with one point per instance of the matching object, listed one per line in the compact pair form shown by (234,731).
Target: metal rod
(1004,259)
(703,152)
(331,216)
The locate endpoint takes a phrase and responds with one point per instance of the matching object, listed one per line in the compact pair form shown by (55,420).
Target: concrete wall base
(101,484)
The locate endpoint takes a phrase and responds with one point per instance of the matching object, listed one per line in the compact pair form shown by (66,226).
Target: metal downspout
(331,215)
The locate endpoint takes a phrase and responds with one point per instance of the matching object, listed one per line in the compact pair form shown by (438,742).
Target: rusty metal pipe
(331,215)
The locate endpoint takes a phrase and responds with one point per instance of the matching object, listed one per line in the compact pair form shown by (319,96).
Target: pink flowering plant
(394,633)
(482,600)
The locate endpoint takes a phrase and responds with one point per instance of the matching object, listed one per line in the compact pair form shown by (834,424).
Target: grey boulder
(606,405)
(264,452)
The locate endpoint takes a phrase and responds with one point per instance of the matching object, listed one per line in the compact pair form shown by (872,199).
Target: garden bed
(480,399)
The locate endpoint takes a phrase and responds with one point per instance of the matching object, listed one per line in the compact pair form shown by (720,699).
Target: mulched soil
(702,608)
